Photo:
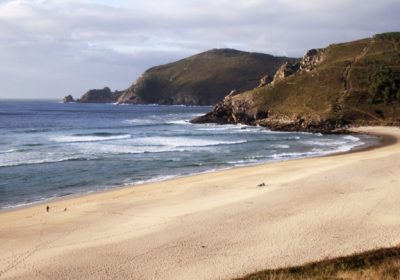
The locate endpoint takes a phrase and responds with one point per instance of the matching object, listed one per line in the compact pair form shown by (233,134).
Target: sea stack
(68,99)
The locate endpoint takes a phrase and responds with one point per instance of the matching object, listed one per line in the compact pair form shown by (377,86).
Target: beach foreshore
(216,225)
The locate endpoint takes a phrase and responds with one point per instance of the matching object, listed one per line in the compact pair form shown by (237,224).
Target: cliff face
(104,95)
(355,83)
(203,79)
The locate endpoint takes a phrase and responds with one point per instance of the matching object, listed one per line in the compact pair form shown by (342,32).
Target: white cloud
(52,47)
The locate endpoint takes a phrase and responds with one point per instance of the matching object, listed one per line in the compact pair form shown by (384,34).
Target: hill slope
(202,79)
(350,83)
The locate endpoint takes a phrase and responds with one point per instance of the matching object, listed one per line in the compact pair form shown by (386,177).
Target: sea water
(49,149)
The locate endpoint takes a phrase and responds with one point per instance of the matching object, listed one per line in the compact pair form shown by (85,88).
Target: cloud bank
(50,48)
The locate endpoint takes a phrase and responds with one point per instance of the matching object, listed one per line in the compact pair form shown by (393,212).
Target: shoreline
(383,140)
(215,225)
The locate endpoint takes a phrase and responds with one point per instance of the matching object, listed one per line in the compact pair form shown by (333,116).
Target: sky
(51,48)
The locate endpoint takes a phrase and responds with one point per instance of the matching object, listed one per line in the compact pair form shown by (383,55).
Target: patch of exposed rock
(287,69)
(266,80)
(311,59)
(233,109)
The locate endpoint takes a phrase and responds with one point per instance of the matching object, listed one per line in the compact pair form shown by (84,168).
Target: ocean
(49,149)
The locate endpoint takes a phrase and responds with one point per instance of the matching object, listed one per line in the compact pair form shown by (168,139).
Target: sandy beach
(214,226)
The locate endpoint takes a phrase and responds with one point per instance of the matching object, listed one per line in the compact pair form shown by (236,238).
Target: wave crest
(90,138)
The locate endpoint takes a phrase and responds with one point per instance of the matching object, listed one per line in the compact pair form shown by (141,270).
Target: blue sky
(51,48)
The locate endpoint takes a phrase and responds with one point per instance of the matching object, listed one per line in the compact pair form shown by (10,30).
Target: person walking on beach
(47,208)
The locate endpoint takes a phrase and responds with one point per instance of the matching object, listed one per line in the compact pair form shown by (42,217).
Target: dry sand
(213,226)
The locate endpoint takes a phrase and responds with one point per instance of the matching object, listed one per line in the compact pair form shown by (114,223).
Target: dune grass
(376,264)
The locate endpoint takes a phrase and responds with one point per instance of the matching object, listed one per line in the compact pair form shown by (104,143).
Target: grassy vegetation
(376,264)
(388,36)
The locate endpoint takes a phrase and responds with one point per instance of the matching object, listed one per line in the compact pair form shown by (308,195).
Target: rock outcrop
(68,99)
(266,80)
(104,95)
(324,92)
(311,59)
(287,69)
(244,111)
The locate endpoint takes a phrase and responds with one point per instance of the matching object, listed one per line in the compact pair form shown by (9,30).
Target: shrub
(384,84)
(388,36)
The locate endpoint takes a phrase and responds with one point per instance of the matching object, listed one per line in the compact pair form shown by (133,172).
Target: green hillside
(202,79)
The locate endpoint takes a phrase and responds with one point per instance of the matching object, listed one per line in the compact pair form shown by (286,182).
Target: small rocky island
(68,99)
(104,95)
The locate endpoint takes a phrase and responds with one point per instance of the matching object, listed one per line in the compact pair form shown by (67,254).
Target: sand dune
(216,225)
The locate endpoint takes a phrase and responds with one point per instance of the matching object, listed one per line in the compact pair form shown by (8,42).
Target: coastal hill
(202,79)
(354,83)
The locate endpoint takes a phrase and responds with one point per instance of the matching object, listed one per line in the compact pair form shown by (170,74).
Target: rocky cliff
(355,83)
(202,79)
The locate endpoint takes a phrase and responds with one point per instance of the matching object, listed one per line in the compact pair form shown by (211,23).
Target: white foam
(281,156)
(280,146)
(130,149)
(230,128)
(152,180)
(180,122)
(157,144)
(72,139)
(182,142)
(8,151)
(323,143)
(343,147)
(141,121)
(243,162)
(23,161)
(348,147)
(343,141)
(351,138)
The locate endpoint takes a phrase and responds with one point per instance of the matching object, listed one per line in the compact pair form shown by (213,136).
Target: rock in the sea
(68,99)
